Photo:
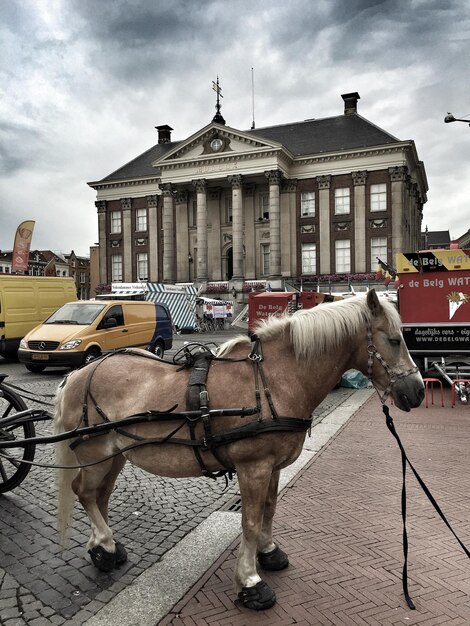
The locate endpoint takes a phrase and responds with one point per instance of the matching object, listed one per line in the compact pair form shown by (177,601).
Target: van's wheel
(91,355)
(36,369)
(159,349)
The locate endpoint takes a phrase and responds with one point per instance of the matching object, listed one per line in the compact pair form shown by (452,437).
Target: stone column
(126,204)
(324,235)
(152,204)
(215,212)
(288,228)
(360,249)
(182,236)
(250,242)
(237,225)
(398,176)
(168,234)
(102,239)
(201,230)
(274,178)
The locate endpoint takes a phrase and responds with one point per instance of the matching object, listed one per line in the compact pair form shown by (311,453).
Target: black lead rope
(404,461)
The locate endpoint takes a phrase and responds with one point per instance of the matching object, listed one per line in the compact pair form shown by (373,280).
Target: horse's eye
(394,341)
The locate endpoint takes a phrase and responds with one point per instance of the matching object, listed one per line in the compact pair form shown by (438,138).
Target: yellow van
(81,331)
(25,302)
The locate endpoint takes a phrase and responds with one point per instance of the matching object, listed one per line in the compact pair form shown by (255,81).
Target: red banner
(20,258)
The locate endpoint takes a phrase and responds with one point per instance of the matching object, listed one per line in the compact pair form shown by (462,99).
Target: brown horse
(301,359)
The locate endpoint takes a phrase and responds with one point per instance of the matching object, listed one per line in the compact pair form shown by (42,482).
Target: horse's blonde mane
(313,332)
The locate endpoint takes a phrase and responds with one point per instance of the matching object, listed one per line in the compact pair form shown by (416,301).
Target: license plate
(40,357)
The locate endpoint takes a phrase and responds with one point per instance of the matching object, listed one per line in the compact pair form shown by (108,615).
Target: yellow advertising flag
(20,258)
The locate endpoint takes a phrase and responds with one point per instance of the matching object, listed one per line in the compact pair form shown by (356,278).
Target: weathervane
(218,116)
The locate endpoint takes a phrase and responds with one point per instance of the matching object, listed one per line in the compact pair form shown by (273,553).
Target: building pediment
(216,142)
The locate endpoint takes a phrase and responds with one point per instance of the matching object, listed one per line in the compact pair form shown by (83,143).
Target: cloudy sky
(84,83)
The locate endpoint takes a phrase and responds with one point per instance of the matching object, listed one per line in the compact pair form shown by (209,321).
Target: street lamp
(450,118)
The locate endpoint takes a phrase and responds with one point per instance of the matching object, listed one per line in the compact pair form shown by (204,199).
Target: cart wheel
(12,470)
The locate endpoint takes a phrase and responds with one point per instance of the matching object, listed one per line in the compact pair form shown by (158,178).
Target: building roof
(331,134)
(432,238)
(141,166)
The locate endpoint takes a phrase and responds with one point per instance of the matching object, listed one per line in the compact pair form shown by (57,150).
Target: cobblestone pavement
(39,585)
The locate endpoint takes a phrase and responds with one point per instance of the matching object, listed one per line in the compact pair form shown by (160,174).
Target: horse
(298,360)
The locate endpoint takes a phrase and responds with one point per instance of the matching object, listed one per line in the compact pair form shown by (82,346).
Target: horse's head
(389,364)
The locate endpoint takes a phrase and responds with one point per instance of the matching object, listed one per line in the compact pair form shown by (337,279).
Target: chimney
(164,133)
(350,102)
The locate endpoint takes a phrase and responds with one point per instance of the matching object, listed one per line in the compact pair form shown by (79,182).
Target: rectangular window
(265,259)
(378,197)
(228,209)
(193,215)
(82,277)
(307,204)
(342,201)
(378,248)
(309,258)
(264,206)
(116,268)
(141,219)
(343,256)
(142,266)
(115,221)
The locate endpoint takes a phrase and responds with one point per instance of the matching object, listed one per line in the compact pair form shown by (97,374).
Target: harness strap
(285,424)
(393,376)
(197,398)
(87,393)
(256,357)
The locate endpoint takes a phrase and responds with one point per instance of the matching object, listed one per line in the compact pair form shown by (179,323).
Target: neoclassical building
(294,201)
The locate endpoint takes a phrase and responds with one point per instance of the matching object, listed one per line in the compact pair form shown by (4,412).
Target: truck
(433,288)
(25,302)
(263,304)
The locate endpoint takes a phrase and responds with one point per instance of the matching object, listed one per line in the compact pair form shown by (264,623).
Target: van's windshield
(75,313)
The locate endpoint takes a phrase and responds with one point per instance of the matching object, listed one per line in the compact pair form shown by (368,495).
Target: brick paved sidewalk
(340,522)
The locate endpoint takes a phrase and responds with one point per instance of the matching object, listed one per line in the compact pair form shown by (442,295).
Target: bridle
(393,375)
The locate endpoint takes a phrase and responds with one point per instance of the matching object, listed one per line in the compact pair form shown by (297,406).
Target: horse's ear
(373,302)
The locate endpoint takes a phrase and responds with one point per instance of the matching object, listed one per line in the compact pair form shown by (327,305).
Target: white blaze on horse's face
(393,370)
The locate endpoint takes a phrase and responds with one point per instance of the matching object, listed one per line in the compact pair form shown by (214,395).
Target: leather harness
(197,404)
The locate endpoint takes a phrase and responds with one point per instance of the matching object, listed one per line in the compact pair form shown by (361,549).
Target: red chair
(430,382)
(455,382)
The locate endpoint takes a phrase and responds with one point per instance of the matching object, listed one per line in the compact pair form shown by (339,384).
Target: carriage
(245,408)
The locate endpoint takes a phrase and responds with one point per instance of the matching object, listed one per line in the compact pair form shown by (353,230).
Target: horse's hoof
(258,598)
(102,559)
(273,561)
(121,554)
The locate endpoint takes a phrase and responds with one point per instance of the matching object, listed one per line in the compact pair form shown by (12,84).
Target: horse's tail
(64,477)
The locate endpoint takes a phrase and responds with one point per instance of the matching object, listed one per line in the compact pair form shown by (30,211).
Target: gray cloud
(84,83)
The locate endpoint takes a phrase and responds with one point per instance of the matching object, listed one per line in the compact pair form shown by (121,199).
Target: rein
(404,461)
(393,377)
